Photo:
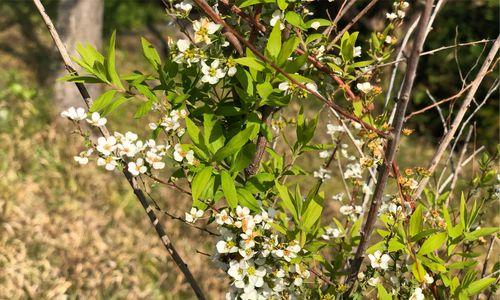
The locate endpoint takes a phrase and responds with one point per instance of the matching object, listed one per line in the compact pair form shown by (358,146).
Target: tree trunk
(78,21)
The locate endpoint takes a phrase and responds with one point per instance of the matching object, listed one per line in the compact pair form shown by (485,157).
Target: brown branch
(203,5)
(131,179)
(390,153)
(235,9)
(352,22)
(170,184)
(267,115)
(446,139)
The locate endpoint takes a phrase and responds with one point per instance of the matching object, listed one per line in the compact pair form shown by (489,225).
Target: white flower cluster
(259,263)
(119,148)
(399,10)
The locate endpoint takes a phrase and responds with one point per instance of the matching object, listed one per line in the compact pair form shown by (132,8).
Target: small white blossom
(277,16)
(76,114)
(83,157)
(106,145)
(212,74)
(365,87)
(391,16)
(109,162)
(193,215)
(417,295)
(203,29)
(97,120)
(184,6)
(357,51)
(322,174)
(332,129)
(379,260)
(137,167)
(324,154)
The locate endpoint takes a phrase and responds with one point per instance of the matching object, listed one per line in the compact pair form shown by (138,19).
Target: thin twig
(352,22)
(390,152)
(458,169)
(131,179)
(443,186)
(445,141)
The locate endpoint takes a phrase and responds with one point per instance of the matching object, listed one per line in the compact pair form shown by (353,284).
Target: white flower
(331,232)
(236,270)
(322,174)
(312,86)
(212,73)
(374,281)
(332,129)
(180,154)
(391,16)
(109,162)
(184,6)
(226,246)
(357,51)
(137,167)
(361,275)
(324,154)
(315,25)
(417,295)
(365,87)
(405,5)
(203,29)
(277,16)
(255,275)
(186,53)
(106,145)
(127,148)
(388,39)
(76,114)
(155,160)
(353,171)
(193,215)
(284,86)
(83,157)
(428,278)
(401,14)
(379,260)
(223,218)
(130,136)
(97,120)
(153,126)
(346,209)
(338,197)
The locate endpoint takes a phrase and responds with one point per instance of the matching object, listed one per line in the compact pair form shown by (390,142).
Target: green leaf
(273,46)
(110,63)
(312,213)
(247,199)
(382,293)
(213,133)
(286,201)
(474,235)
(102,101)
(250,62)
(295,19)
(264,89)
(287,49)
(463,212)
(193,131)
(321,22)
(199,184)
(143,109)
(235,143)
(247,3)
(416,221)
(433,243)
(229,189)
(395,245)
(150,53)
(477,286)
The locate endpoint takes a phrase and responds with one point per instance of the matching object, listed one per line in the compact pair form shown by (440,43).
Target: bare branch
(131,179)
(390,153)
(445,141)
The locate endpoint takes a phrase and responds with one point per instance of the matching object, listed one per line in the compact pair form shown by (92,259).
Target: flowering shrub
(222,102)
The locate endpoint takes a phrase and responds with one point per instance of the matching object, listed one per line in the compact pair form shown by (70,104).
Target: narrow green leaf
(416,221)
(312,213)
(229,189)
(250,62)
(234,144)
(286,201)
(433,243)
(150,53)
(110,63)
(477,286)
(102,101)
(199,183)
(273,46)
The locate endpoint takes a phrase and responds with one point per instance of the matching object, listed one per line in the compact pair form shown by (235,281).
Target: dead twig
(446,139)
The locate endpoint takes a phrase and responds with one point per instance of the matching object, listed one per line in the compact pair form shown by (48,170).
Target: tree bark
(78,21)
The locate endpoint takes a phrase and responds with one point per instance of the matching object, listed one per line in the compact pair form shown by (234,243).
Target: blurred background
(79,231)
